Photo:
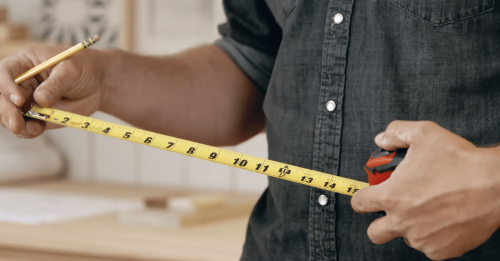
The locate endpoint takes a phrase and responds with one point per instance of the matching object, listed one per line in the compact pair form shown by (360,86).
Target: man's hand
(72,85)
(444,197)
(199,95)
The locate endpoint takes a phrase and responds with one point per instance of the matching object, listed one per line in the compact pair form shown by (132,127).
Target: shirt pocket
(443,12)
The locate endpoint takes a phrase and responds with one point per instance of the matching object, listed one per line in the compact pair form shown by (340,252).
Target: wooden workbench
(103,238)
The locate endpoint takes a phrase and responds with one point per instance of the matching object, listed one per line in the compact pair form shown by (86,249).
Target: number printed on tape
(230,158)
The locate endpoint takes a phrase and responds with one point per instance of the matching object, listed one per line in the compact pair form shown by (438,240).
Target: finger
(9,69)
(81,106)
(402,134)
(12,119)
(59,82)
(35,128)
(11,116)
(32,126)
(27,88)
(366,200)
(382,231)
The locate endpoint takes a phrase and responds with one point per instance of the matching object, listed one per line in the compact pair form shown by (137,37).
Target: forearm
(199,95)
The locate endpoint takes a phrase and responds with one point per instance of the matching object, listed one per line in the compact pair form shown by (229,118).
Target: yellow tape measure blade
(227,157)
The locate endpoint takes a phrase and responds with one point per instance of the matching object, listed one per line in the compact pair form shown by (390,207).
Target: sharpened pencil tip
(96,38)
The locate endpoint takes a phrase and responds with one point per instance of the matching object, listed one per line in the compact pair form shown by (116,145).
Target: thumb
(401,134)
(60,81)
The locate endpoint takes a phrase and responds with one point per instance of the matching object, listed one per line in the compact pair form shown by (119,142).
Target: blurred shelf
(13,32)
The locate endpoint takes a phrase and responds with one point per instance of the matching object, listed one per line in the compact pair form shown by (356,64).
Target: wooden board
(116,191)
(182,218)
(197,202)
(24,255)
(104,237)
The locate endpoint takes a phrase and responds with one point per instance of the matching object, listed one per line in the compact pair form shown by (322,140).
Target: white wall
(162,27)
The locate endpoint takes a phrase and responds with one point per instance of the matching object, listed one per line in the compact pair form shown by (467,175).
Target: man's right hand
(72,85)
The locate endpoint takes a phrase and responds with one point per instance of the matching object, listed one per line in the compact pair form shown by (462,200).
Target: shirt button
(322,200)
(338,18)
(330,105)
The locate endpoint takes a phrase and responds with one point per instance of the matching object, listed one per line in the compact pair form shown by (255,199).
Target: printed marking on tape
(230,158)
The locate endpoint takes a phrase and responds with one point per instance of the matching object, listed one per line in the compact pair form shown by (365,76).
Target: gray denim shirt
(378,61)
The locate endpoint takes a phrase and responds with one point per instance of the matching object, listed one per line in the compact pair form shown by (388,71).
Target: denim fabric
(435,60)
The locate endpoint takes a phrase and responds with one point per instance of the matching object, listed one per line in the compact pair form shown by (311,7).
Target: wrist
(110,64)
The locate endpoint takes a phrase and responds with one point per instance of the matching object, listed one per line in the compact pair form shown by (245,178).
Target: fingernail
(46,95)
(30,129)
(10,124)
(379,137)
(14,99)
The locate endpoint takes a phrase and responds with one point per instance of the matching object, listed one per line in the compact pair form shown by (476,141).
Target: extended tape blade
(227,157)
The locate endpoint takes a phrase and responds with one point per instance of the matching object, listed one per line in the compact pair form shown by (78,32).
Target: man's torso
(387,60)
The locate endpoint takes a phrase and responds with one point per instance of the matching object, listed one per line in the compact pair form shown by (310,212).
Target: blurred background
(63,195)
(153,27)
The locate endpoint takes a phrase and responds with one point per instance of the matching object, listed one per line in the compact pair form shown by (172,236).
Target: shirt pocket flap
(443,12)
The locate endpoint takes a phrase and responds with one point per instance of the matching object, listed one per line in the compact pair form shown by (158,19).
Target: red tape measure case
(382,163)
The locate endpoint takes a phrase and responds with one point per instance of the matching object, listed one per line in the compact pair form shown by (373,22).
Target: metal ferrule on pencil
(88,42)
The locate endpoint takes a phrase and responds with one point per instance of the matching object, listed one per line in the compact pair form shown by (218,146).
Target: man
(324,77)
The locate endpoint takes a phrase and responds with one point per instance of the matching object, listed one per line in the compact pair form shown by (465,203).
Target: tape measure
(230,158)
(382,163)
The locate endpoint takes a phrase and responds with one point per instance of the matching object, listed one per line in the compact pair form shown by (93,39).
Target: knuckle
(26,55)
(30,52)
(425,127)
(29,85)
(393,129)
(54,86)
(4,75)
(421,130)
(393,125)
(23,51)
(70,66)
(69,63)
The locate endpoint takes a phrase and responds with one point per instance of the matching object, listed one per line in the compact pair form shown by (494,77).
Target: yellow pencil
(57,59)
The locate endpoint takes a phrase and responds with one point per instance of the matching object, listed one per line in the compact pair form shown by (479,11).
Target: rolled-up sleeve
(251,37)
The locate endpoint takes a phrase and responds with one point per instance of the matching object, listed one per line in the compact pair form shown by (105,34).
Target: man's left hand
(444,197)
